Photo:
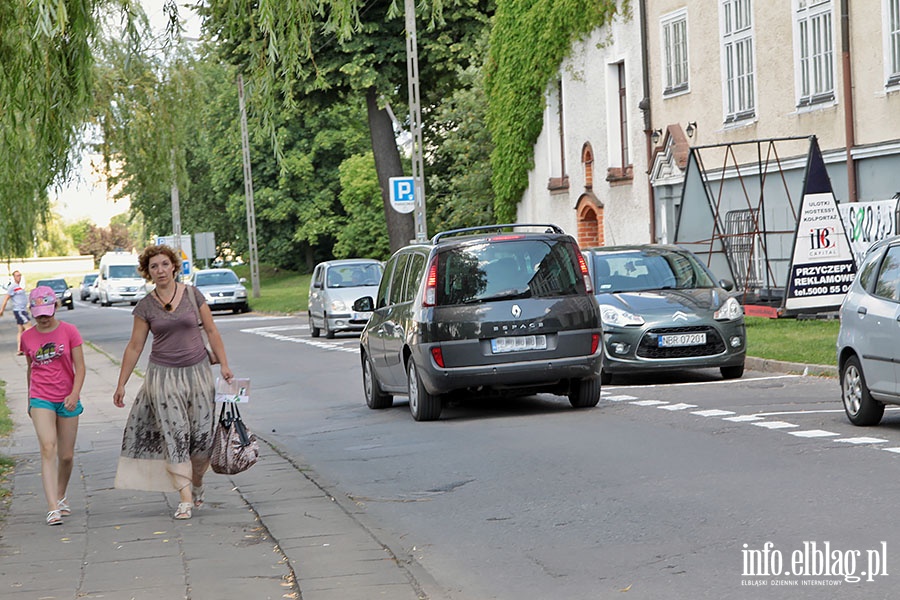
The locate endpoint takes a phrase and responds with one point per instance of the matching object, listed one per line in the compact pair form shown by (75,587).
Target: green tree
(290,53)
(528,42)
(361,199)
(51,237)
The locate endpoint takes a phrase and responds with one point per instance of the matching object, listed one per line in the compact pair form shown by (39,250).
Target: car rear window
(57,285)
(505,270)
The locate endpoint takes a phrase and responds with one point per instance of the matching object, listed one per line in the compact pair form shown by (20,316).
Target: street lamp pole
(415,119)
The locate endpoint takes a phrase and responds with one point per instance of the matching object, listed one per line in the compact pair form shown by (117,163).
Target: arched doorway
(590,221)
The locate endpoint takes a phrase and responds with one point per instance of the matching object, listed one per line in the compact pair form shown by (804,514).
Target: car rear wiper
(505,295)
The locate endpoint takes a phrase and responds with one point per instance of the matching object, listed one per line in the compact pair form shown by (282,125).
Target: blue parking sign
(403,194)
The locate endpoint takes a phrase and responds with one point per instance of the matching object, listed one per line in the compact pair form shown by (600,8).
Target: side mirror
(726,284)
(242,280)
(317,285)
(364,304)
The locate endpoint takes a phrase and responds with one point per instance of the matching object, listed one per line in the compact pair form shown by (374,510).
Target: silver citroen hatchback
(499,310)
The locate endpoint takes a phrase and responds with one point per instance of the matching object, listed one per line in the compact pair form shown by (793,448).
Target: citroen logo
(516,311)
(680,316)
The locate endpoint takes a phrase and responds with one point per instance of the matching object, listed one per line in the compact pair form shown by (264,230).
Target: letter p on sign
(403,194)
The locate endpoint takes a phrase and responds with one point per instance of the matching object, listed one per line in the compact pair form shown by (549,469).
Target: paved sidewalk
(271,532)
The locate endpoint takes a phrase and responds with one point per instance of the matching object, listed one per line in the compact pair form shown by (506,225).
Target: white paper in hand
(236,391)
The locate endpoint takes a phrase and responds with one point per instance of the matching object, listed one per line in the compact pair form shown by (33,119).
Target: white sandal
(63,507)
(184,510)
(54,518)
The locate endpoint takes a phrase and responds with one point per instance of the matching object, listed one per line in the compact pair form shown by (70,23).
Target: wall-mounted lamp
(691,128)
(655,135)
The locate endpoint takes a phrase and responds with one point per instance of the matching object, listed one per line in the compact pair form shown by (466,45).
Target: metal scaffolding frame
(748,227)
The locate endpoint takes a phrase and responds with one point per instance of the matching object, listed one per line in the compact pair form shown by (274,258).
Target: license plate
(681,339)
(363,316)
(518,343)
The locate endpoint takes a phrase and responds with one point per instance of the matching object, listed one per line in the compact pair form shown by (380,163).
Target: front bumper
(635,350)
(348,322)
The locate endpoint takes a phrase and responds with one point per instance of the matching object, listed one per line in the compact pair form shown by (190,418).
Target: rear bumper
(521,374)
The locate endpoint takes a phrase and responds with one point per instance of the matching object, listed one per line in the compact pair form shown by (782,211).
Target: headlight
(610,315)
(339,306)
(67,294)
(241,293)
(729,311)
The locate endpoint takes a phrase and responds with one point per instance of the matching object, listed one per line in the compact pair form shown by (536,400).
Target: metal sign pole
(248,192)
(415,119)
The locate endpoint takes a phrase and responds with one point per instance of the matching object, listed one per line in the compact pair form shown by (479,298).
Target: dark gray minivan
(482,311)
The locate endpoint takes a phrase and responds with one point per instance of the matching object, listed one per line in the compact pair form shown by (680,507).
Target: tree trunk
(401,227)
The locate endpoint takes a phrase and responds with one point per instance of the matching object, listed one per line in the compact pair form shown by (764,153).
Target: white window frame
(815,67)
(673,32)
(738,59)
(891,12)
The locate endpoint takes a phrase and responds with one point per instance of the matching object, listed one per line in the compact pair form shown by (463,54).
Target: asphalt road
(677,487)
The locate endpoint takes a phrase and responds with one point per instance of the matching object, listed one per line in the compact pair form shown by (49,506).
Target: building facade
(633,101)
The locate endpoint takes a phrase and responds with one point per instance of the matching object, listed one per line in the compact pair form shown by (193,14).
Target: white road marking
(718,382)
(743,419)
(712,413)
(894,450)
(813,433)
(862,440)
(620,398)
(775,425)
(680,406)
(272,333)
(649,402)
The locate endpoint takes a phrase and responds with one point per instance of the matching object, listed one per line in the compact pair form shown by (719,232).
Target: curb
(768,365)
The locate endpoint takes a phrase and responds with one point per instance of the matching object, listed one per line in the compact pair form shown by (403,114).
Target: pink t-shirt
(52,367)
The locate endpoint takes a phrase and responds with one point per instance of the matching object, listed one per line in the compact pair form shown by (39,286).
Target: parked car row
(222,288)
(512,310)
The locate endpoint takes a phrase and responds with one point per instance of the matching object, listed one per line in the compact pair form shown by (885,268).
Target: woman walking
(55,356)
(169,432)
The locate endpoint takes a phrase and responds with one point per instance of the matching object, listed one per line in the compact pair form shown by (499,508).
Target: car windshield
(124,272)
(643,270)
(219,278)
(89,279)
(353,275)
(508,270)
(57,285)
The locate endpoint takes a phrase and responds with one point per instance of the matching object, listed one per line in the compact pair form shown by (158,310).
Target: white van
(119,280)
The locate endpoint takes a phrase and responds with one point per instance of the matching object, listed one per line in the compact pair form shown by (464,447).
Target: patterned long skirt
(171,421)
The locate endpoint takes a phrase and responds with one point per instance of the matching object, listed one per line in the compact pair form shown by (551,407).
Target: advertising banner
(867,223)
(822,267)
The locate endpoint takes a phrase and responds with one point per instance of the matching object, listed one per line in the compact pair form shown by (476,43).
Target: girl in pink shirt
(55,356)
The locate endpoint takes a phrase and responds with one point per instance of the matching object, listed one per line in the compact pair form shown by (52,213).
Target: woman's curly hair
(151,251)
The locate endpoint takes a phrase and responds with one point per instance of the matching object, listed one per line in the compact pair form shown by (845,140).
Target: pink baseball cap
(43,301)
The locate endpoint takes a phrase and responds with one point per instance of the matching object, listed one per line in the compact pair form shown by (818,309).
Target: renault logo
(680,316)
(516,311)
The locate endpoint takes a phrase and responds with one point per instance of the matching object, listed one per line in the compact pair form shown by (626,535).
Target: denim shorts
(22,317)
(58,407)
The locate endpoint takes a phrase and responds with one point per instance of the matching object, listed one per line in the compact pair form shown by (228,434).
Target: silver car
(663,310)
(334,286)
(867,351)
(222,289)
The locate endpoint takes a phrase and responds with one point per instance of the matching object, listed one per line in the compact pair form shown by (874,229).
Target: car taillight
(438,356)
(595,342)
(431,284)
(585,273)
